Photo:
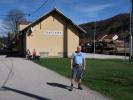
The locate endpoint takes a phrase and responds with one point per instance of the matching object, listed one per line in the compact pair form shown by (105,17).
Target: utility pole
(131,31)
(94,37)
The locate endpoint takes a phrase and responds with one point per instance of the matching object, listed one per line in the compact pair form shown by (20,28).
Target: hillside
(118,24)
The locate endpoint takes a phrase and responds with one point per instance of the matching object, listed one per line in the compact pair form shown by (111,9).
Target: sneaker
(79,87)
(71,87)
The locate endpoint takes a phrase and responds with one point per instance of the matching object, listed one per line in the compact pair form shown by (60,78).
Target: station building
(52,35)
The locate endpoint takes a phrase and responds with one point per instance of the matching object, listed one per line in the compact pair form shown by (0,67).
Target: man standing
(78,66)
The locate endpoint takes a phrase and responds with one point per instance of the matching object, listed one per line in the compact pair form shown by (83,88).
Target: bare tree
(13,17)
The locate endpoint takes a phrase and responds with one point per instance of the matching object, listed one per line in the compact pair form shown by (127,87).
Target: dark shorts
(77,72)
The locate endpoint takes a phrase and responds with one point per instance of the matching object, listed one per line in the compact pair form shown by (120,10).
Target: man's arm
(84,63)
(71,63)
(72,60)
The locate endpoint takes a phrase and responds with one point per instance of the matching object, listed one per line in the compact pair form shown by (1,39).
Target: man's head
(79,48)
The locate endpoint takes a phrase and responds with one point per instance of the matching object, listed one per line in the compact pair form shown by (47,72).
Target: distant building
(52,35)
(22,25)
(114,45)
(107,38)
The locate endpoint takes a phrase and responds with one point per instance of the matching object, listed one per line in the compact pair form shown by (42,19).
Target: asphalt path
(21,79)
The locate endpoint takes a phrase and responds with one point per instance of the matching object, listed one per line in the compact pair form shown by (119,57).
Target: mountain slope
(119,24)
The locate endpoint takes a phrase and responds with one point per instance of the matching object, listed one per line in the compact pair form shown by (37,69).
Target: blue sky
(79,11)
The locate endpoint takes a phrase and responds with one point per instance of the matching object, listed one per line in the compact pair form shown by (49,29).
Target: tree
(10,36)
(13,18)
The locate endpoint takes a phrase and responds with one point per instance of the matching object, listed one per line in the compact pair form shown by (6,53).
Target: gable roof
(57,11)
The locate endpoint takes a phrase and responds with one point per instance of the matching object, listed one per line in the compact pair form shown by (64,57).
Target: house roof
(100,37)
(57,11)
(24,22)
(103,37)
(109,36)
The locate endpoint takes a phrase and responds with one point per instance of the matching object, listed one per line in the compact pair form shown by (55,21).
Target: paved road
(103,56)
(29,81)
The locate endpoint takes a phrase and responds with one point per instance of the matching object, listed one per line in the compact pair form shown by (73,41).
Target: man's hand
(84,68)
(84,64)
(71,67)
(71,64)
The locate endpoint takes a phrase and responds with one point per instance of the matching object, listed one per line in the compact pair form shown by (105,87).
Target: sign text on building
(53,33)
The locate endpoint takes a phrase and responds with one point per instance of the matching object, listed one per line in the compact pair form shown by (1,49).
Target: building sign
(53,33)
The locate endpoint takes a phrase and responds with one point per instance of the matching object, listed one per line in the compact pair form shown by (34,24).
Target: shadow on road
(26,93)
(59,85)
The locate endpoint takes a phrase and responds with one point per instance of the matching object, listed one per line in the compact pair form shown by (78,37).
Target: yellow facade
(52,36)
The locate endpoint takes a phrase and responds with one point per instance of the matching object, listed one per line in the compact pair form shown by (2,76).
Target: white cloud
(92,8)
(3,31)
(85,7)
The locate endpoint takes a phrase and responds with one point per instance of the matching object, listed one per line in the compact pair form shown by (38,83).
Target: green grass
(113,78)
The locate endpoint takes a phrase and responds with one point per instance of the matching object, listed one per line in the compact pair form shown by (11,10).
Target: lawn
(114,78)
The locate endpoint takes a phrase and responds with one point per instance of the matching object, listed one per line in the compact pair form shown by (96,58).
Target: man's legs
(79,84)
(74,73)
(72,81)
(80,74)
(77,72)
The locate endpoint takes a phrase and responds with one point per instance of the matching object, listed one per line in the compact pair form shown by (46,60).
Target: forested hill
(119,24)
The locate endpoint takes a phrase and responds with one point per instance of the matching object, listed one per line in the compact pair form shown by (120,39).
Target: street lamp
(94,36)
(131,31)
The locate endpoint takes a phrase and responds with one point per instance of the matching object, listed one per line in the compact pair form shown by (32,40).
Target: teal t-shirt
(78,58)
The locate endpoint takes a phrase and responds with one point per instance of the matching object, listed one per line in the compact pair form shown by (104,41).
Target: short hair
(79,46)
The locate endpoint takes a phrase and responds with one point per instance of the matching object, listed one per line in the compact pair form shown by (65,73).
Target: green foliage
(1,45)
(10,37)
(62,65)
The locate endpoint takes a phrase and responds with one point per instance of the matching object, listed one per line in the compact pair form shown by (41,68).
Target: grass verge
(114,78)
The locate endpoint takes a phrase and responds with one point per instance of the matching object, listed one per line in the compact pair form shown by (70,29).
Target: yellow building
(52,35)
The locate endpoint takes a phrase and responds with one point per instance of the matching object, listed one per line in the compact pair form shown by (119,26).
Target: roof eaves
(55,9)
